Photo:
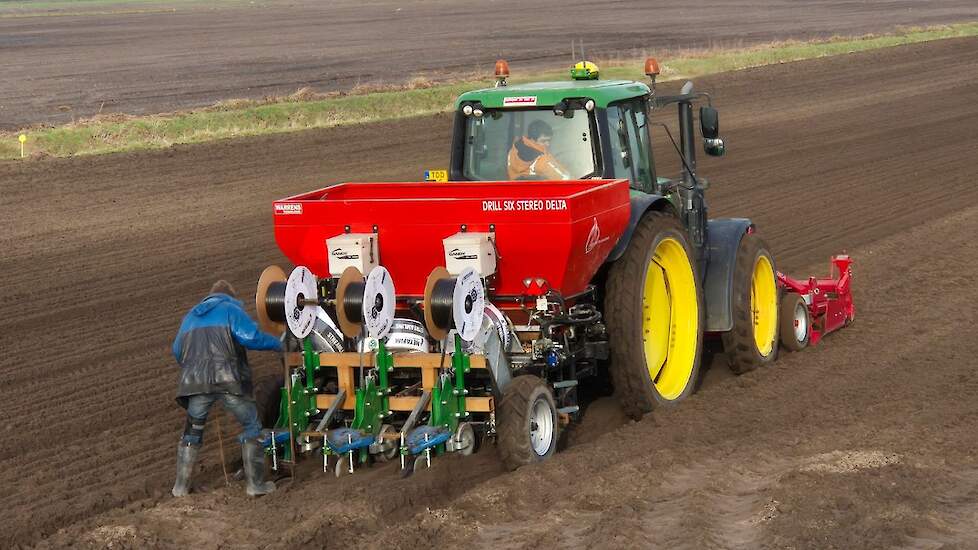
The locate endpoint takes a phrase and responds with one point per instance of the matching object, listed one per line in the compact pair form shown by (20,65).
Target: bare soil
(864,441)
(160,57)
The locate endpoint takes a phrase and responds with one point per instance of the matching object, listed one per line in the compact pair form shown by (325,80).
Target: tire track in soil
(185,216)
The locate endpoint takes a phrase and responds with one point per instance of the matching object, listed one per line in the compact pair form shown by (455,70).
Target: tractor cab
(554,130)
(581,128)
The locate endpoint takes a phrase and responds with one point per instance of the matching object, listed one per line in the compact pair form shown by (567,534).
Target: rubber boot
(186,457)
(253,458)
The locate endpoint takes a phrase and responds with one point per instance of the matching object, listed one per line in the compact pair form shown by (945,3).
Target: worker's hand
(288,342)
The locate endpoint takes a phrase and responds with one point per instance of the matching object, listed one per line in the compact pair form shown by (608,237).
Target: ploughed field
(160,56)
(866,440)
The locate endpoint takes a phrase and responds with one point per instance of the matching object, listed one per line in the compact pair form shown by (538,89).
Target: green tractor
(553,258)
(675,276)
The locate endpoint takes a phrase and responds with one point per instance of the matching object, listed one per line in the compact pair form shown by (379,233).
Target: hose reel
(294,302)
(282,301)
(270,300)
(365,303)
(454,303)
(301,301)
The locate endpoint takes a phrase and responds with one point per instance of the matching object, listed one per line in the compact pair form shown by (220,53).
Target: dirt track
(152,58)
(865,441)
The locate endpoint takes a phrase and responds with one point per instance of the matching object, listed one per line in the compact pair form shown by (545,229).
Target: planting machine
(551,261)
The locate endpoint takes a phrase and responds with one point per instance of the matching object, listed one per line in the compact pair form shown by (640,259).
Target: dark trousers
(243,409)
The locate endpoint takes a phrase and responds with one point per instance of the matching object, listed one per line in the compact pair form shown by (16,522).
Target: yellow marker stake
(23,140)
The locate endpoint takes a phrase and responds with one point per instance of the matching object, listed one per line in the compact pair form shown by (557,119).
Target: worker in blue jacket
(210,348)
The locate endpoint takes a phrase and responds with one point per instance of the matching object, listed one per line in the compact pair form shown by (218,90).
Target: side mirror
(709,122)
(710,128)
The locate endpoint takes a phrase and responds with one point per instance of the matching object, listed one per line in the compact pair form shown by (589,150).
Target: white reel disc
(468,304)
(300,286)
(378,302)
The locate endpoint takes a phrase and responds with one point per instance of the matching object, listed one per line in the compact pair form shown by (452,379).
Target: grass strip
(306,110)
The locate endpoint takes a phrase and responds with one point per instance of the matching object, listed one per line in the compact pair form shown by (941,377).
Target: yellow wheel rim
(764,305)
(670,319)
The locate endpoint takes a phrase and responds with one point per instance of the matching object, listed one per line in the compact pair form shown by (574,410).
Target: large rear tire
(654,310)
(753,340)
(527,424)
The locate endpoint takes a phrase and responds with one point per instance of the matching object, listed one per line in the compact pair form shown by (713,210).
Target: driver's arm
(548,167)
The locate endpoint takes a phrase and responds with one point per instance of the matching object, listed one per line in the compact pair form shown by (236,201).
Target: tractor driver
(210,348)
(530,156)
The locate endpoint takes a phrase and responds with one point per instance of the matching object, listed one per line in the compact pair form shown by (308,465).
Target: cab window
(530,144)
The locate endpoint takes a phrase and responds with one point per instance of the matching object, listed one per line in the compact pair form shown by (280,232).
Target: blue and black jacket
(210,348)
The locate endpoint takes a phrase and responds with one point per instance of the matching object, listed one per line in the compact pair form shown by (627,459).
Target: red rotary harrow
(813,308)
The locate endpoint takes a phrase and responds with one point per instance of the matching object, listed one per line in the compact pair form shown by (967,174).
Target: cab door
(631,152)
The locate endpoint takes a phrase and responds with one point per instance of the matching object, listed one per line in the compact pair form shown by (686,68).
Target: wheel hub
(801,323)
(670,319)
(541,427)
(764,305)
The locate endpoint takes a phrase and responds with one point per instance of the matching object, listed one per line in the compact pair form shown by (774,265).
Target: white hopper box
(475,250)
(358,250)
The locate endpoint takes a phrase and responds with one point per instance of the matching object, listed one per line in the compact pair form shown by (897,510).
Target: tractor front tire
(753,339)
(527,425)
(654,310)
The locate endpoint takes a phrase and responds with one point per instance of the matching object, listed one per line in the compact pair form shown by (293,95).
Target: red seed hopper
(560,232)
